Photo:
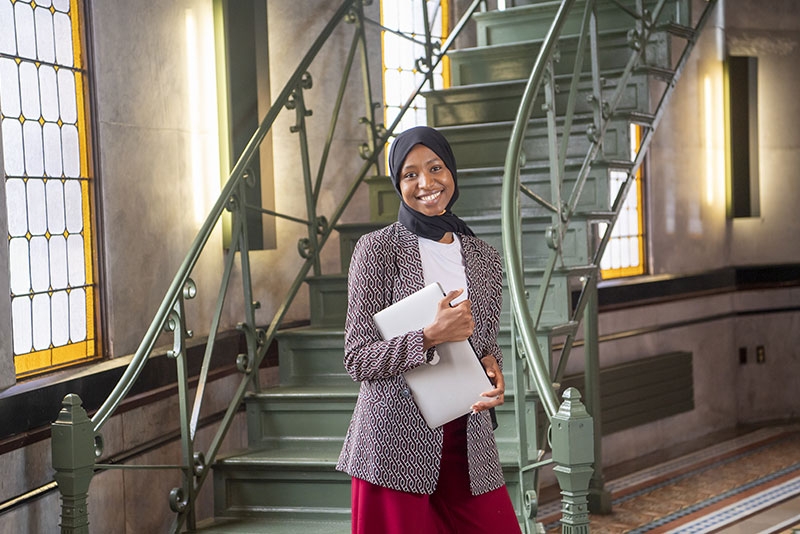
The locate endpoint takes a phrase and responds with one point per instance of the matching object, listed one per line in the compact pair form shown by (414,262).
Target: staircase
(286,481)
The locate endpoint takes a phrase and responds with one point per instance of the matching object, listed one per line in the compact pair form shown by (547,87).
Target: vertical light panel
(47,184)
(624,255)
(202,97)
(402,47)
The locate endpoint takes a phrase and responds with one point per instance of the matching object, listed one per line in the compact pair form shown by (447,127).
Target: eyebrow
(428,162)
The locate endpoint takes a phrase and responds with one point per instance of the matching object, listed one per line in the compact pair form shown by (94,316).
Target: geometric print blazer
(388,442)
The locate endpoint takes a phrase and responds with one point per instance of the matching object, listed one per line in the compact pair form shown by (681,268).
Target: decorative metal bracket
(304,248)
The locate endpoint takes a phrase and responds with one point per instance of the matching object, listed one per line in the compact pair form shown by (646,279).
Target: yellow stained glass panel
(624,255)
(47,169)
(402,47)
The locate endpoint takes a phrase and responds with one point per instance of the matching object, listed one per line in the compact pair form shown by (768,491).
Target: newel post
(573,453)
(73,460)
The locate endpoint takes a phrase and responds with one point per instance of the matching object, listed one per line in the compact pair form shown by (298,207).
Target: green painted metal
(573,454)
(73,449)
(599,496)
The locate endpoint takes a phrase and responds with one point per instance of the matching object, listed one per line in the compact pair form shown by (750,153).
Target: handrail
(512,248)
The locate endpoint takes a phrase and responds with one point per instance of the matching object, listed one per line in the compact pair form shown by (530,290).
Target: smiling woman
(426,184)
(46,170)
(451,479)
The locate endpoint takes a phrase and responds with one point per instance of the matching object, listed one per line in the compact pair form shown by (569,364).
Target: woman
(406,477)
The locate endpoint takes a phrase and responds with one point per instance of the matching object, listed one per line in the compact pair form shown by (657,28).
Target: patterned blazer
(388,442)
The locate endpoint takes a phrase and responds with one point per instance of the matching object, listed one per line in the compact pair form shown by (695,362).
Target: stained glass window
(624,255)
(43,128)
(403,45)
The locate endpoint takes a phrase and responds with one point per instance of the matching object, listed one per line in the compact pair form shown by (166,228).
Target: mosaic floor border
(755,471)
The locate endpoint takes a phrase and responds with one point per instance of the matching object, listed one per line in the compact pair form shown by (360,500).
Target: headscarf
(424,226)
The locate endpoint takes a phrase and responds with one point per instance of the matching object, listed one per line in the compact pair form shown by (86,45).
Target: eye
(409,175)
(436,168)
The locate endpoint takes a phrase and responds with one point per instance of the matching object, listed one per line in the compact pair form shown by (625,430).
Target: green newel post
(73,459)
(573,454)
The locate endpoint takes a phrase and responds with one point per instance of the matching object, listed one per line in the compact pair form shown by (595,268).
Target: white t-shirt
(444,263)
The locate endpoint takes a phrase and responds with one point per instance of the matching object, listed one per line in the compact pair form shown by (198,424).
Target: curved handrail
(139,359)
(512,247)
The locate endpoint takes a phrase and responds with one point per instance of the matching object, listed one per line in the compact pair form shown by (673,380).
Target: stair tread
(305,453)
(307,391)
(312,330)
(608,74)
(258,525)
(604,36)
(319,453)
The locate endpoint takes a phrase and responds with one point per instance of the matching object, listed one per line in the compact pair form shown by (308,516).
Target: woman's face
(426,184)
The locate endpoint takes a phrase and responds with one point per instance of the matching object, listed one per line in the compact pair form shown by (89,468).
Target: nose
(425,180)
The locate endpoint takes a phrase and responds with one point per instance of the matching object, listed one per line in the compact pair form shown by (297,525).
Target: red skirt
(451,509)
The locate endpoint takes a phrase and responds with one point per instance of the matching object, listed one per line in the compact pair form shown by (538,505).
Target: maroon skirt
(450,509)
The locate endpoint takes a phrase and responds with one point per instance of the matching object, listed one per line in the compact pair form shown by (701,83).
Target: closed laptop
(448,386)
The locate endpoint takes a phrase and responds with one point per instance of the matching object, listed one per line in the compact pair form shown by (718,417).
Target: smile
(432,196)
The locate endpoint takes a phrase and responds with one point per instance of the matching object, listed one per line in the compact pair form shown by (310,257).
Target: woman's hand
(452,323)
(496,396)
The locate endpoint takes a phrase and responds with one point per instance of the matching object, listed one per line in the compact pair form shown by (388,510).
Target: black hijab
(424,226)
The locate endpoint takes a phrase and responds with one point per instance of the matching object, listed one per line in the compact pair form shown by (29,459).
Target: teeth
(426,198)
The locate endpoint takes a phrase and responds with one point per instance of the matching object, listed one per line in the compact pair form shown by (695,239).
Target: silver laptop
(448,386)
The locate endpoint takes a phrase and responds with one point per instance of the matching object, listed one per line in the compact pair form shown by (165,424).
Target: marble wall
(685,187)
(157,136)
(157,144)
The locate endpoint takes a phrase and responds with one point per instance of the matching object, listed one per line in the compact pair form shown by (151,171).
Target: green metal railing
(574,450)
(77,441)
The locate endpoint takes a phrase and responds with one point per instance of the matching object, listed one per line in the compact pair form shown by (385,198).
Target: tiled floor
(746,484)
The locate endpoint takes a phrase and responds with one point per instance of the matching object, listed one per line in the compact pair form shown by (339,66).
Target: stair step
(291,481)
(312,355)
(259,525)
(678,30)
(298,481)
(497,102)
(535,252)
(642,118)
(485,145)
(328,296)
(505,62)
(299,420)
(520,23)
(661,73)
(595,216)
